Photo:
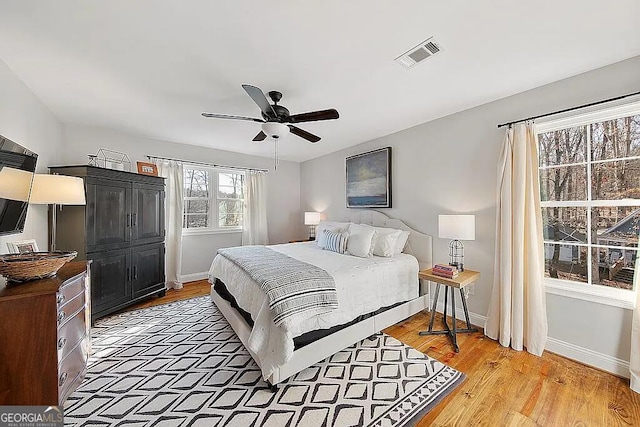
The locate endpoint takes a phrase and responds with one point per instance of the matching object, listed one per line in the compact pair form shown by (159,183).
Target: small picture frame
(145,168)
(22,246)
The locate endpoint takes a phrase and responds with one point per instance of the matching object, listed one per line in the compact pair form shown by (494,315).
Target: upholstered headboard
(418,245)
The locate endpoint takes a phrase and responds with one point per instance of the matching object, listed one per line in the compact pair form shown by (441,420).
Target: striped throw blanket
(294,288)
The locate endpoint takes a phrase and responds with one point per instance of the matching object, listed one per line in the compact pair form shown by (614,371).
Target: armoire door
(147,274)
(110,280)
(147,217)
(108,214)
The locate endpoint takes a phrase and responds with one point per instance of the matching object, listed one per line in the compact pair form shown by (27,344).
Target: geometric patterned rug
(182,364)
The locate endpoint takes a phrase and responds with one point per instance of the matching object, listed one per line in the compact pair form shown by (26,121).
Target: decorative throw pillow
(330,225)
(335,241)
(359,241)
(384,241)
(402,241)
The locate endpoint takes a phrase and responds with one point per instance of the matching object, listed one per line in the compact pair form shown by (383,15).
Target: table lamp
(457,227)
(56,190)
(312,219)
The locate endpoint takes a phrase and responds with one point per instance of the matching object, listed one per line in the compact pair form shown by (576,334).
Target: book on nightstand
(443,270)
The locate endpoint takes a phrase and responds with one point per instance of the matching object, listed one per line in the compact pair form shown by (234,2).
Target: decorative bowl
(33,265)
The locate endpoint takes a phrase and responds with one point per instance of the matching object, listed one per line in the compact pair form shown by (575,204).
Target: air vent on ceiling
(419,53)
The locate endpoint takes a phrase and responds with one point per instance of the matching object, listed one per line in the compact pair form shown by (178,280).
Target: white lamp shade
(57,189)
(275,129)
(15,184)
(311,218)
(459,227)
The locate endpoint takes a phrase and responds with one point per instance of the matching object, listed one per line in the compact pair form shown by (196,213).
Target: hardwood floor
(503,387)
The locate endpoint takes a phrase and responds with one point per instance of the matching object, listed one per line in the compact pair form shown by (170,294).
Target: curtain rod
(207,164)
(569,109)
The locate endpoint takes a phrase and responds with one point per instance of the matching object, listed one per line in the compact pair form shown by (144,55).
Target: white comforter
(363,284)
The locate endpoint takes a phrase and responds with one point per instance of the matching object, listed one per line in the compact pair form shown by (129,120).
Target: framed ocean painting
(369,179)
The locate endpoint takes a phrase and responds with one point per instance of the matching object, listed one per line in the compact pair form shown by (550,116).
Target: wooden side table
(301,240)
(465,278)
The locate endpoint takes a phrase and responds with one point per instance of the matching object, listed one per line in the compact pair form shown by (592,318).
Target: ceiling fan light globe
(275,130)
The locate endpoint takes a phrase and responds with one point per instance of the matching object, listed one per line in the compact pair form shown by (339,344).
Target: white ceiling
(150,67)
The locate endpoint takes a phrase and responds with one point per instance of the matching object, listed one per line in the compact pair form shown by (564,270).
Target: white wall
(27,121)
(449,165)
(283,199)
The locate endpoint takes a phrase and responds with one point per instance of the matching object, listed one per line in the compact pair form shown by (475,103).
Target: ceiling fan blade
(260,137)
(258,97)
(314,116)
(228,116)
(304,134)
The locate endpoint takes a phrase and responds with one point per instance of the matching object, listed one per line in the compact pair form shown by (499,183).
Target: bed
(372,294)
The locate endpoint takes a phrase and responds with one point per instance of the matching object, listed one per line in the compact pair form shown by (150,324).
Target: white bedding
(364,285)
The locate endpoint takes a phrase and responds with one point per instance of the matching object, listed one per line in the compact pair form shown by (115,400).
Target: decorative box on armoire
(121,230)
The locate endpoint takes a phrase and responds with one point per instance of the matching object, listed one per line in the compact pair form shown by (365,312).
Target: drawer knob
(61,342)
(62,379)
(60,298)
(61,316)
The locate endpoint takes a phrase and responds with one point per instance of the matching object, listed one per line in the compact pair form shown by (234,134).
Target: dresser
(44,337)
(121,230)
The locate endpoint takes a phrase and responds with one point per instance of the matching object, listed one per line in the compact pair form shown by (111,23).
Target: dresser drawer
(69,291)
(69,334)
(72,369)
(70,308)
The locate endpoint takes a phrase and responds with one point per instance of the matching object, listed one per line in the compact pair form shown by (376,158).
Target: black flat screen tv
(17,167)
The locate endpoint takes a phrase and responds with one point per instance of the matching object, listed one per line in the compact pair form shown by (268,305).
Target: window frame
(213,214)
(588,291)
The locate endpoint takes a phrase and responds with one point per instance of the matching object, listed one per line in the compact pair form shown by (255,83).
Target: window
(590,192)
(213,199)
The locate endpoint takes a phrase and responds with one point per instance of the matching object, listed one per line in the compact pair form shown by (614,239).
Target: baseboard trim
(194,276)
(589,357)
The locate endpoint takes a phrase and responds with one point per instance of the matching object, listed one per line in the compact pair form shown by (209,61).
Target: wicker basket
(33,265)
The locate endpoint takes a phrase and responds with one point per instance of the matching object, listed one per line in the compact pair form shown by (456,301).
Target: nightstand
(463,279)
(302,240)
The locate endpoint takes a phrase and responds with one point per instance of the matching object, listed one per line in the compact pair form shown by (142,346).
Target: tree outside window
(590,192)
(207,209)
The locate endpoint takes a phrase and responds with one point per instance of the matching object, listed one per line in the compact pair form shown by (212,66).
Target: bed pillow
(401,242)
(384,241)
(335,241)
(360,239)
(330,225)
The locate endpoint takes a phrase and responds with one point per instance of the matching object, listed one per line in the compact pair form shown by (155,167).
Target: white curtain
(254,224)
(517,314)
(634,365)
(174,187)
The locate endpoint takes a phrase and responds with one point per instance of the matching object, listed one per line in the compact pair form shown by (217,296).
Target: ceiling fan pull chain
(275,154)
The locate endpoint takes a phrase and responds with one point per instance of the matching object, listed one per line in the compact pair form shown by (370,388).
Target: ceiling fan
(276,119)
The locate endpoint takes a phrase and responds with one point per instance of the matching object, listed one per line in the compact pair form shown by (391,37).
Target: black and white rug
(182,364)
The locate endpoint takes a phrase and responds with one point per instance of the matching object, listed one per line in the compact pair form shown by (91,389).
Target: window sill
(198,232)
(592,293)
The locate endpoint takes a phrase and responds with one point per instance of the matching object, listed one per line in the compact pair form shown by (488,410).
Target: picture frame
(368,179)
(145,168)
(22,246)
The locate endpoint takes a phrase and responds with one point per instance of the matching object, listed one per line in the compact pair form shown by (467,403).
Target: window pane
(196,183)
(196,206)
(563,183)
(614,267)
(230,220)
(563,146)
(565,224)
(616,226)
(566,262)
(195,221)
(615,139)
(615,180)
(230,185)
(229,213)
